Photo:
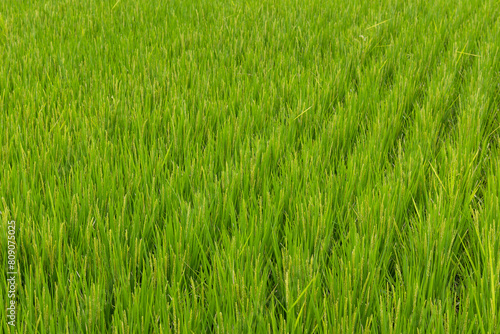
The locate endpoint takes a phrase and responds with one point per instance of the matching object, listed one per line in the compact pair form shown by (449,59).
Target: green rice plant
(250,166)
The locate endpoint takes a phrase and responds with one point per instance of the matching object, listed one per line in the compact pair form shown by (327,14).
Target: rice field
(250,166)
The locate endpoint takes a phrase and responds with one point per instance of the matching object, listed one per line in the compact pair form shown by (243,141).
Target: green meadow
(283,166)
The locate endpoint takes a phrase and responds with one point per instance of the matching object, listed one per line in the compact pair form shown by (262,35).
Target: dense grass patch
(251,166)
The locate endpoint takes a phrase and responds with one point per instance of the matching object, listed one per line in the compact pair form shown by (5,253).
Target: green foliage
(251,166)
